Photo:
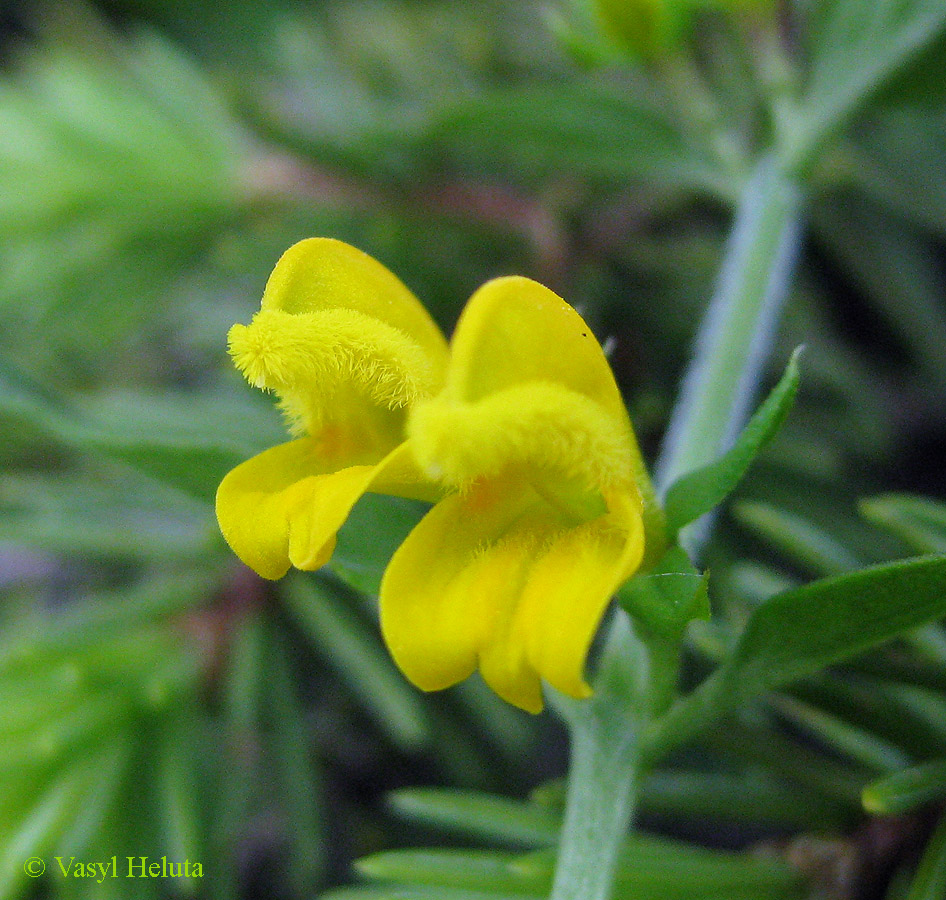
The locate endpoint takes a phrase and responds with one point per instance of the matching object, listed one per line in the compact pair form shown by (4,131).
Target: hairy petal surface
(540,428)
(348,349)
(319,274)
(496,577)
(324,363)
(342,342)
(528,382)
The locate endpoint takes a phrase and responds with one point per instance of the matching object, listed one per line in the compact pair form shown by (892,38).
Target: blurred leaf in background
(157,156)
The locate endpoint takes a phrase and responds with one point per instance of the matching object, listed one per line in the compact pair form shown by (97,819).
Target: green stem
(731,352)
(686,719)
(735,338)
(599,805)
(602,778)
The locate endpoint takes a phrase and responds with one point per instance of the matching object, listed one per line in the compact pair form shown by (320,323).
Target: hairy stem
(731,351)
(736,334)
(602,776)
(598,810)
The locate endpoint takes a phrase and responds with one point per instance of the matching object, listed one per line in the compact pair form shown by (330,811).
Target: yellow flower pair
(517,433)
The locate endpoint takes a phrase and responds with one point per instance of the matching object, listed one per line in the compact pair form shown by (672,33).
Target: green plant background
(156,698)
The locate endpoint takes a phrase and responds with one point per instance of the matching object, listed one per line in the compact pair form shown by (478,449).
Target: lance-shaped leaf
(801,631)
(930,879)
(172,455)
(496,819)
(919,521)
(699,491)
(907,789)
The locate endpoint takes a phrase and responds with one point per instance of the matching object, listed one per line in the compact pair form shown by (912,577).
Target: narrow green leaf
(21,396)
(190,463)
(423,892)
(297,776)
(919,521)
(110,767)
(647,868)
(468,813)
(850,740)
(195,467)
(485,870)
(105,615)
(756,743)
(658,867)
(37,833)
(180,823)
(757,582)
(596,132)
(237,776)
(86,515)
(736,334)
(900,154)
(903,670)
(803,542)
(29,698)
(58,738)
(925,707)
(906,789)
(245,678)
(719,796)
(802,631)
(897,270)
(914,720)
(929,644)
(697,492)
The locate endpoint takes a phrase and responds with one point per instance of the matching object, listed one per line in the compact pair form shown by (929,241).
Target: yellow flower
(348,349)
(513,570)
(520,433)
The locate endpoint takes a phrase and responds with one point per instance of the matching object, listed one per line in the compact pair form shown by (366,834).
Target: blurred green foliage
(156,699)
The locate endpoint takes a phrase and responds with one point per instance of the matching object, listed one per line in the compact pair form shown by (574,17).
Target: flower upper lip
(347,348)
(513,570)
(519,434)
(322,350)
(538,425)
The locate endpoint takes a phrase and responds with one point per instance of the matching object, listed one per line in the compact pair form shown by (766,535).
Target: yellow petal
(515,330)
(546,432)
(320,274)
(284,506)
(522,362)
(336,365)
(569,588)
(495,578)
(342,342)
